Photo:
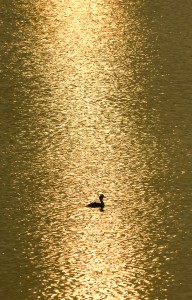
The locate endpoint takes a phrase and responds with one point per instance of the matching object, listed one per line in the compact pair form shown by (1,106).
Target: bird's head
(101,197)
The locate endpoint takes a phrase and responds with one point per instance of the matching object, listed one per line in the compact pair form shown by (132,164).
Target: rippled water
(96,97)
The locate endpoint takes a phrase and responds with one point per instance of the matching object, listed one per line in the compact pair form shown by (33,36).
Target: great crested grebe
(97,204)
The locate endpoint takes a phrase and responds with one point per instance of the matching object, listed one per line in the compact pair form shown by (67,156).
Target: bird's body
(97,204)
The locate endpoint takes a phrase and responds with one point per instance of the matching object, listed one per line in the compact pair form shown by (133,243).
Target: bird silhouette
(97,204)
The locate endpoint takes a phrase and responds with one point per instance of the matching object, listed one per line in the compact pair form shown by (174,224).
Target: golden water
(95,98)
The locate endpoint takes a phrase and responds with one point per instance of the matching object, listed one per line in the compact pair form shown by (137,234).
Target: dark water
(95,97)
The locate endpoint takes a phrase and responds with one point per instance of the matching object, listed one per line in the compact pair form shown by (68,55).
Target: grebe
(96,204)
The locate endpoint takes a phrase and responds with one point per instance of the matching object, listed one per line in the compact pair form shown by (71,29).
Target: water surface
(95,98)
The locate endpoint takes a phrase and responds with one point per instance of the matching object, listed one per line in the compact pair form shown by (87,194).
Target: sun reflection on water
(91,255)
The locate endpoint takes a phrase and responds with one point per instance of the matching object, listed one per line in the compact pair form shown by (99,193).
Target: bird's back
(94,204)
